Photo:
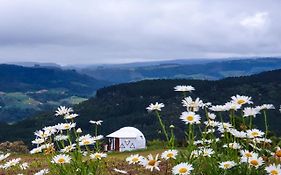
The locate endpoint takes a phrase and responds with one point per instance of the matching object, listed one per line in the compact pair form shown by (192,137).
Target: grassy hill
(25,90)
(124,104)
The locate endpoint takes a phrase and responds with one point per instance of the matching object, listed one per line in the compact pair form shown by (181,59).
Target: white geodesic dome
(126,139)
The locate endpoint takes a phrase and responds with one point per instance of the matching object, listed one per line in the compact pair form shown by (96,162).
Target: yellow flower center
(67,126)
(254,162)
(278,153)
(182,170)
(61,160)
(255,134)
(248,154)
(151,162)
(226,166)
(86,142)
(190,118)
(170,155)
(240,102)
(98,156)
(135,159)
(274,172)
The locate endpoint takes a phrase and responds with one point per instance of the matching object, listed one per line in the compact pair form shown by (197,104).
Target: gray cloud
(98,31)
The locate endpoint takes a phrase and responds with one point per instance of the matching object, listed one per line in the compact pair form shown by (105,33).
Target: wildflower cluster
(220,139)
(68,150)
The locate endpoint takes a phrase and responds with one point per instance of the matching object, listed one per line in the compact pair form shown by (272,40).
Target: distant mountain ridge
(208,70)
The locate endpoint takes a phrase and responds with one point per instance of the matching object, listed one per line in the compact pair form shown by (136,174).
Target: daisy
(61,137)
(273,170)
(232,106)
(192,105)
(61,159)
(150,162)
(245,155)
(250,112)
(254,133)
(227,165)
(51,129)
(65,126)
(98,156)
(170,154)
(11,163)
(155,107)
(68,148)
(24,166)
(42,172)
(62,110)
(266,106)
(120,171)
(218,108)
(190,118)
(241,100)
(134,159)
(224,127)
(207,152)
(233,145)
(182,169)
(181,88)
(42,134)
(98,122)
(211,116)
(70,116)
(79,130)
(86,140)
(255,161)
(4,156)
(36,150)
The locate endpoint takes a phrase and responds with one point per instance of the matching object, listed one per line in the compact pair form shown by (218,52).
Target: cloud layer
(111,31)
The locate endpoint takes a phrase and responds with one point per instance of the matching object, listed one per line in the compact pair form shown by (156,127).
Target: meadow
(219,139)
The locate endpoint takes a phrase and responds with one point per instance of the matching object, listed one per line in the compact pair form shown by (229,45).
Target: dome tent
(126,139)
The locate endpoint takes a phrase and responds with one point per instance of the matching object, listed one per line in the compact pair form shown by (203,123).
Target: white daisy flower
(255,161)
(36,150)
(218,108)
(233,145)
(181,88)
(227,165)
(38,141)
(134,159)
(79,130)
(266,106)
(182,169)
(97,156)
(98,122)
(273,170)
(68,148)
(65,126)
(42,134)
(250,112)
(61,137)
(231,106)
(4,156)
(62,110)
(42,172)
(61,159)
(192,105)
(241,100)
(150,162)
(86,140)
(245,155)
(254,133)
(211,116)
(170,154)
(24,166)
(70,116)
(11,163)
(155,107)
(190,118)
(51,129)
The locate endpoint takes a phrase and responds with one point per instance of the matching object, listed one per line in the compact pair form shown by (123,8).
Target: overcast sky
(117,31)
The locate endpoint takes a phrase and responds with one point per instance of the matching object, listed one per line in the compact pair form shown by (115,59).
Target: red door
(117,144)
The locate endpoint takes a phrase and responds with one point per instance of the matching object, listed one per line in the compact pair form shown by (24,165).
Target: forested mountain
(24,90)
(124,104)
(206,70)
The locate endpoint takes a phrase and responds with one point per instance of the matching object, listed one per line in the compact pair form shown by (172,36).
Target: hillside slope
(24,91)
(124,104)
